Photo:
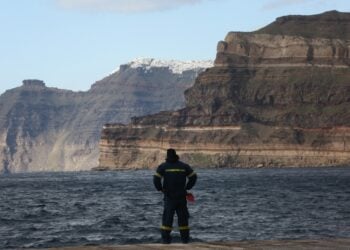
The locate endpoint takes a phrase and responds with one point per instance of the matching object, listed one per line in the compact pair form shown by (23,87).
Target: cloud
(125,6)
(275,4)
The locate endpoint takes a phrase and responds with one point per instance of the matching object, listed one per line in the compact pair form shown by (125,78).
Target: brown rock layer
(273,98)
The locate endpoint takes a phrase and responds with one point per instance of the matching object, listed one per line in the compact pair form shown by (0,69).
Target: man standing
(175,185)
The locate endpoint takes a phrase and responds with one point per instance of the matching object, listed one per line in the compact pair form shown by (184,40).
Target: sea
(41,210)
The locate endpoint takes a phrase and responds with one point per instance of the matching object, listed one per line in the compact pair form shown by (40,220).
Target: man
(175,185)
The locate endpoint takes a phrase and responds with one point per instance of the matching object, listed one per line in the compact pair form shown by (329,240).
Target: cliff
(48,129)
(278,96)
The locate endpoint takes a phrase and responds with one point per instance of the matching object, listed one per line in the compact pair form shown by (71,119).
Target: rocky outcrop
(275,97)
(48,129)
(330,24)
(33,122)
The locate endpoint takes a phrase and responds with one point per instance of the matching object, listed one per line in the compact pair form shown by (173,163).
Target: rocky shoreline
(136,148)
(336,244)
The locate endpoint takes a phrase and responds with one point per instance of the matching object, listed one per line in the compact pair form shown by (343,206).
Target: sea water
(40,210)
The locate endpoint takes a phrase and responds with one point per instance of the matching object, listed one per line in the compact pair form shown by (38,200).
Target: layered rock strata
(48,129)
(278,96)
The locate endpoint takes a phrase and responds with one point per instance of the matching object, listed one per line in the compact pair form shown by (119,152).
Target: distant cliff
(279,96)
(49,129)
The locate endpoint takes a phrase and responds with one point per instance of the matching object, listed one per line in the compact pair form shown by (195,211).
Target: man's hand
(190,197)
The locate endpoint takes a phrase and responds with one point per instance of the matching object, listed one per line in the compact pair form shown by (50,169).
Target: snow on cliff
(177,67)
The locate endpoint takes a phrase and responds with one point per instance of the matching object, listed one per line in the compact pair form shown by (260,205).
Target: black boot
(185,236)
(166,238)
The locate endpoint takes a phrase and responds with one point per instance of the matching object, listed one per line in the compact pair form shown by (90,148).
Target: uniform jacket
(177,178)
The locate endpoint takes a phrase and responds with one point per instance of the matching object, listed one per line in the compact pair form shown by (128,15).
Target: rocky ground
(331,244)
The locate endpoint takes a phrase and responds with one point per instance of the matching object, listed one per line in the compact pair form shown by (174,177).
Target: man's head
(171,155)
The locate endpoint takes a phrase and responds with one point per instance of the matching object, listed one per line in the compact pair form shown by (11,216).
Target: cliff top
(177,67)
(330,24)
(33,83)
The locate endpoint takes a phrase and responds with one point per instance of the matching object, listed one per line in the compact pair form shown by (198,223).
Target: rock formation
(48,129)
(278,96)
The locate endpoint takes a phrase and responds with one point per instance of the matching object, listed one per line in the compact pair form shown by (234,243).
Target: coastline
(337,244)
(153,167)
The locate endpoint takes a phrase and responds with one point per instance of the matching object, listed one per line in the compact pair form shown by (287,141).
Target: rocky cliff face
(48,129)
(275,97)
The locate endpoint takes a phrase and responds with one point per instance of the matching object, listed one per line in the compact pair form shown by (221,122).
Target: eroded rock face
(242,49)
(275,97)
(48,129)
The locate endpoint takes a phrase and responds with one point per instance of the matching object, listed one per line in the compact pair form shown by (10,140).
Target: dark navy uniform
(178,177)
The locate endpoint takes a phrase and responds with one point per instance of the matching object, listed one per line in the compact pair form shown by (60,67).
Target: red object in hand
(189,197)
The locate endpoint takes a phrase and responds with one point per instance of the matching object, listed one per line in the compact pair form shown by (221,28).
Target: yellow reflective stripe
(191,174)
(175,170)
(166,228)
(158,175)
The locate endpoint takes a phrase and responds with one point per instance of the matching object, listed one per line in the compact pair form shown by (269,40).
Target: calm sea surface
(59,209)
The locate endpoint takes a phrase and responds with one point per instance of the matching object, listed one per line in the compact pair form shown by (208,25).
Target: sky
(71,44)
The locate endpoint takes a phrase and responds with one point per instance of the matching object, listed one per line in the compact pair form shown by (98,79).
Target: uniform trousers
(172,206)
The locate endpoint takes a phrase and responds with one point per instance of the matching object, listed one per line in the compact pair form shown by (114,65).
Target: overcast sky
(71,44)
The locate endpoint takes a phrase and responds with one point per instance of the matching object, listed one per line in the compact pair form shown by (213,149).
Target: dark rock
(277,96)
(33,83)
(330,24)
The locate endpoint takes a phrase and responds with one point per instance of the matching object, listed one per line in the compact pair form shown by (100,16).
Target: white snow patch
(177,67)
